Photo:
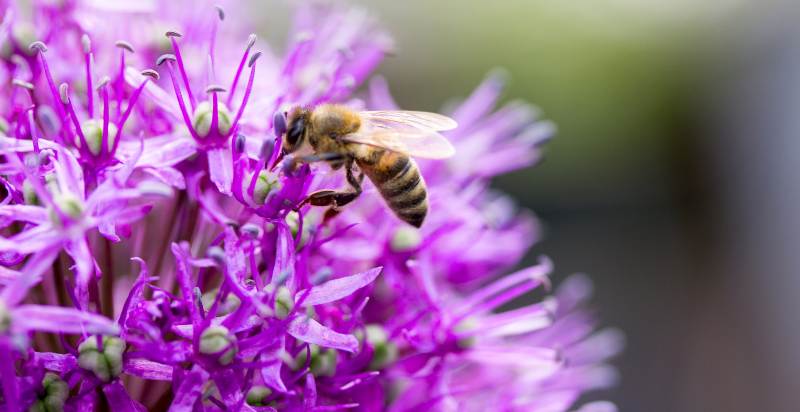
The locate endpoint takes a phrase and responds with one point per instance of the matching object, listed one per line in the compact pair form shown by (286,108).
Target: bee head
(295,129)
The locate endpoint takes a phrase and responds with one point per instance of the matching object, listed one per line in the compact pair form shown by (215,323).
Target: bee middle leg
(334,198)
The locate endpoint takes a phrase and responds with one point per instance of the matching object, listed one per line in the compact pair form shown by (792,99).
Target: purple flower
(157,251)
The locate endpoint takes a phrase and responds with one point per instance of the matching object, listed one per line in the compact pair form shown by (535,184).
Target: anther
(220,12)
(215,88)
(266,149)
(38,46)
(103,82)
(251,230)
(173,33)
(239,142)
(253,59)
(165,57)
(251,41)
(279,124)
(63,92)
(217,254)
(151,74)
(22,83)
(86,42)
(122,44)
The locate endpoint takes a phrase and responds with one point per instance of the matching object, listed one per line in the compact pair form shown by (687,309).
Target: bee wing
(421,120)
(411,133)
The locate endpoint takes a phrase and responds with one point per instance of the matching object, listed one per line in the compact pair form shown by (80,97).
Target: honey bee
(380,143)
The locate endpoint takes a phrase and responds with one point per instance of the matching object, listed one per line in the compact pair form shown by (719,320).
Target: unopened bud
(284,302)
(203,115)
(266,183)
(384,352)
(5,318)
(93,132)
(218,341)
(257,395)
(405,239)
(106,365)
(230,304)
(53,395)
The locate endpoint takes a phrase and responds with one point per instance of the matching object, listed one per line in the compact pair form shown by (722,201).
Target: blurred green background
(671,180)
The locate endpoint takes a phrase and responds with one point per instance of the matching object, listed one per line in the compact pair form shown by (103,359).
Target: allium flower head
(158,251)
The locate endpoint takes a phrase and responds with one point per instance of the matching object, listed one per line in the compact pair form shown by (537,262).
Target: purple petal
(56,361)
(167,150)
(147,369)
(189,390)
(336,289)
(33,269)
(481,101)
(24,213)
(220,168)
(62,320)
(7,276)
(109,231)
(311,331)
(84,268)
(119,400)
(31,240)
(380,96)
(284,255)
(310,394)
(168,175)
(8,375)
(599,406)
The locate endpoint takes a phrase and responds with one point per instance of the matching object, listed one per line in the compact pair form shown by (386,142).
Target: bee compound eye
(296,130)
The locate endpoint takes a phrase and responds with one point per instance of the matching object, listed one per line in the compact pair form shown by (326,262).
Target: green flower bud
(203,115)
(257,394)
(67,204)
(323,361)
(5,317)
(384,351)
(284,302)
(230,304)
(293,221)
(53,395)
(466,325)
(23,34)
(92,130)
(405,239)
(106,365)
(29,194)
(217,340)
(265,184)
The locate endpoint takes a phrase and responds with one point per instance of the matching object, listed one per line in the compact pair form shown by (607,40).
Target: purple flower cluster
(156,253)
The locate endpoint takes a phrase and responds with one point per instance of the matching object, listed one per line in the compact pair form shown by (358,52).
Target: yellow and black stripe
(399,181)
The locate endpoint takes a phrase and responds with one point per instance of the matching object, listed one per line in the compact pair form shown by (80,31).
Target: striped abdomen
(398,179)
